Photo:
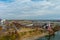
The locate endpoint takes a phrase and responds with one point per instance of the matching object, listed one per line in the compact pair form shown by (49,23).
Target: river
(56,37)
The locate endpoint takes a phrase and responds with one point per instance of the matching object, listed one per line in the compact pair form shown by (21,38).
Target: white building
(3,23)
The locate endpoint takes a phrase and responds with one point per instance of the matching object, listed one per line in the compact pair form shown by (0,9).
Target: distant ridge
(36,20)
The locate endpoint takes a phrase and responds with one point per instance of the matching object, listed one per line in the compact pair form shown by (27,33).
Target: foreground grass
(23,33)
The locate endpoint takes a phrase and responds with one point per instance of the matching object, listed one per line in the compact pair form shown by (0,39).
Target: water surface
(57,37)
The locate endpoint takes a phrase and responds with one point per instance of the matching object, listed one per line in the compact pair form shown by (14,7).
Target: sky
(30,9)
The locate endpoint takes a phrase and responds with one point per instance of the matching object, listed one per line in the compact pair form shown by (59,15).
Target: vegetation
(23,31)
(8,37)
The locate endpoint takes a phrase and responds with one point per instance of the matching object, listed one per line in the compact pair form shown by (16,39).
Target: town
(27,29)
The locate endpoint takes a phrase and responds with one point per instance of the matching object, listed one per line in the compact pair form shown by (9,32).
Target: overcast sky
(30,9)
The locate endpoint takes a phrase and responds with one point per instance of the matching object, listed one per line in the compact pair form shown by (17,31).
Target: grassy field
(23,32)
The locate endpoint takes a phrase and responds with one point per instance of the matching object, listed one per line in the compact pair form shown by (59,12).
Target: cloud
(6,1)
(29,9)
(37,0)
